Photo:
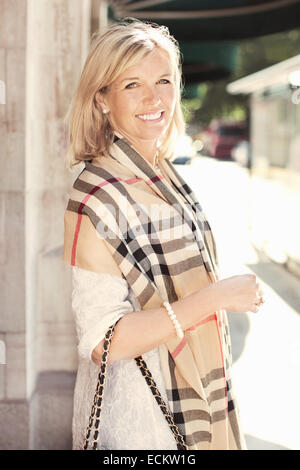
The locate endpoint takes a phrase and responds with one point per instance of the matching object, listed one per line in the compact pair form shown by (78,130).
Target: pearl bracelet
(175,322)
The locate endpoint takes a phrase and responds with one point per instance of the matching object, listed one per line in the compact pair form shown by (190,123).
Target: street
(266,345)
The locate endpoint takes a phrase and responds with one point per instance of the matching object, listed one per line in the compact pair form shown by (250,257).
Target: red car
(220,137)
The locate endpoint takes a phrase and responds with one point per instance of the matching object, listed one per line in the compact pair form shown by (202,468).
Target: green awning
(208,31)
(203,61)
(194,20)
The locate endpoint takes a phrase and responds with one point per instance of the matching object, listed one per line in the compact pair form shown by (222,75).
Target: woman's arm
(98,301)
(138,332)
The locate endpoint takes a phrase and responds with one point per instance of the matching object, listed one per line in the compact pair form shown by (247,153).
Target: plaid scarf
(125,219)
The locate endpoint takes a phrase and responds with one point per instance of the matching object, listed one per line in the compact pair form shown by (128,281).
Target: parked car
(241,153)
(221,136)
(184,150)
(182,160)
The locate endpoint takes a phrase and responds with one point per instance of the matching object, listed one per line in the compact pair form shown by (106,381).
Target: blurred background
(241,156)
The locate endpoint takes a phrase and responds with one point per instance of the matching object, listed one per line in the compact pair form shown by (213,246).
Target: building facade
(275,159)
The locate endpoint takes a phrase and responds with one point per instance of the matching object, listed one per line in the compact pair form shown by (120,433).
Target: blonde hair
(124,44)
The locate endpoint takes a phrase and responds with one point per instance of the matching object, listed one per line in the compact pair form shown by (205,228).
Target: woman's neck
(147,149)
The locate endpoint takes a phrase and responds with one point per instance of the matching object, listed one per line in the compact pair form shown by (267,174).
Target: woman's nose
(152,96)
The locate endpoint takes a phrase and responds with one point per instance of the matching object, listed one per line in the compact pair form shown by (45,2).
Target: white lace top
(130,416)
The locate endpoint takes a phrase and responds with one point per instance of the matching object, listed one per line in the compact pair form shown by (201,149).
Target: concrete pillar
(42,48)
(99,16)
(13,393)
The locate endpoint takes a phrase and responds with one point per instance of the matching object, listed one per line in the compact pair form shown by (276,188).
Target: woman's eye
(131,85)
(162,81)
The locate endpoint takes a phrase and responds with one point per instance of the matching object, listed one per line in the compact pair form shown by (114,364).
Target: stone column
(42,48)
(13,393)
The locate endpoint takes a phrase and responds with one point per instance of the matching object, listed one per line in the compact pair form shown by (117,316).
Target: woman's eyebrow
(137,78)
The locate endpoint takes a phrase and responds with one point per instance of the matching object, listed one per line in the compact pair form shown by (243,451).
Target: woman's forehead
(158,61)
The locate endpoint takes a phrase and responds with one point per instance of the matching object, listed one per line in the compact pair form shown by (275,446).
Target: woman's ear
(101,102)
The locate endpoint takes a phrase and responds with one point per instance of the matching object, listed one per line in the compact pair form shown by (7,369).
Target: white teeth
(150,117)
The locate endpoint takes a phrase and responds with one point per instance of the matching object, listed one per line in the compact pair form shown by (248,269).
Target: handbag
(94,419)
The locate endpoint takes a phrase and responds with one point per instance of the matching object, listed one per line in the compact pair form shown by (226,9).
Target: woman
(144,257)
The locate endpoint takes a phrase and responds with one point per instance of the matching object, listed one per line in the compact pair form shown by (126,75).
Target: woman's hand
(240,293)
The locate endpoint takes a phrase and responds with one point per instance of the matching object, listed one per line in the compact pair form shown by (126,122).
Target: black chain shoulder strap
(97,404)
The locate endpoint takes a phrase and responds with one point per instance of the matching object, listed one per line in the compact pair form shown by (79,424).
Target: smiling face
(141,101)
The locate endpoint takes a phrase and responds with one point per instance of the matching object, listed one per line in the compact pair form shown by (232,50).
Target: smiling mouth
(151,117)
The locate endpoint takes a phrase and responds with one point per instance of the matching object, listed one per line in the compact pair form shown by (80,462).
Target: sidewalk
(266,354)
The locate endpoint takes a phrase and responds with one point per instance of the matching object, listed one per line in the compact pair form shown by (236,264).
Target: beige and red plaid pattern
(127,220)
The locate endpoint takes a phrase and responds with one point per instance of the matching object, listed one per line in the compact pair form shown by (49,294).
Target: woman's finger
(255,308)
(260,292)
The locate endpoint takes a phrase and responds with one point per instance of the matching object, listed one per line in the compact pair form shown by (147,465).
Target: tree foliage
(254,55)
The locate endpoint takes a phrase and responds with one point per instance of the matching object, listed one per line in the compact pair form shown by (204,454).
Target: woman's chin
(155,132)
